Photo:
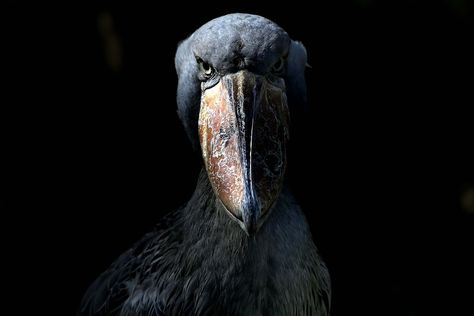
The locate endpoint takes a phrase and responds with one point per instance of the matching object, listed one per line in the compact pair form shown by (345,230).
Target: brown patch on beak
(243,128)
(220,147)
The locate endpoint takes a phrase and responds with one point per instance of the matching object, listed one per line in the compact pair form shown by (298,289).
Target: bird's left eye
(205,67)
(278,66)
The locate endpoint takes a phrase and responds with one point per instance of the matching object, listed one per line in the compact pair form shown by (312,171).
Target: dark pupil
(277,65)
(205,66)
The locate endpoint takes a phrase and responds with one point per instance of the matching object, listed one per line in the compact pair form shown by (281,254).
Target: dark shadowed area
(381,161)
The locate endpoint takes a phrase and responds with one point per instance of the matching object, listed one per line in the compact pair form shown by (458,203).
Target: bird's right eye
(205,68)
(278,67)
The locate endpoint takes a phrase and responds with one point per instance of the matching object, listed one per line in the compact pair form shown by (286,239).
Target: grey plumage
(198,261)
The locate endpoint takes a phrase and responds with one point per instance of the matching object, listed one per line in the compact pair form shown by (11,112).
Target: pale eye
(279,65)
(205,67)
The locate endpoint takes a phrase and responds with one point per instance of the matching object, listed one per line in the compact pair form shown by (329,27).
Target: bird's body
(236,248)
(200,263)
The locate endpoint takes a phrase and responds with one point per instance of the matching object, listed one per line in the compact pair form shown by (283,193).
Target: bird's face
(243,113)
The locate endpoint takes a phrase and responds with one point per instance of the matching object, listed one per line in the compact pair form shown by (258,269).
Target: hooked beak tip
(251,217)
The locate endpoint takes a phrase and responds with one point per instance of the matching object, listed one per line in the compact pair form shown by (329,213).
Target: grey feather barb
(241,245)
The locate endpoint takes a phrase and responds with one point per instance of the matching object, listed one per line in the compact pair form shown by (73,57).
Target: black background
(379,162)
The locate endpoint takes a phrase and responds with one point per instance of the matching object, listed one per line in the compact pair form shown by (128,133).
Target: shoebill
(241,245)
